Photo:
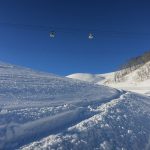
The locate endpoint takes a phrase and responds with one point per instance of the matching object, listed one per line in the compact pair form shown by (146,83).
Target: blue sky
(121,29)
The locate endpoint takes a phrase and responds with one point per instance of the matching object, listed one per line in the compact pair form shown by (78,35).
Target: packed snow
(44,111)
(121,124)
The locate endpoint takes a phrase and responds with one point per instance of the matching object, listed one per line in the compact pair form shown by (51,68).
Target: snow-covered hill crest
(18,83)
(137,80)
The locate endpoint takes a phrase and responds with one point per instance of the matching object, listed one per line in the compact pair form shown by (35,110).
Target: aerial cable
(52,30)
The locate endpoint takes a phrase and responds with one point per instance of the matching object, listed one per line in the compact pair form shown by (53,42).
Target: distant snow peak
(137,80)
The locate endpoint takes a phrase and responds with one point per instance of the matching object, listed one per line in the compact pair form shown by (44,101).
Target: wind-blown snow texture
(44,111)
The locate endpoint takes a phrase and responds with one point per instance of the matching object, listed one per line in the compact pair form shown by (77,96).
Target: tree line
(133,64)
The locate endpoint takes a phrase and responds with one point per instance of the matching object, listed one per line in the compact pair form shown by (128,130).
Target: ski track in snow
(29,124)
(121,124)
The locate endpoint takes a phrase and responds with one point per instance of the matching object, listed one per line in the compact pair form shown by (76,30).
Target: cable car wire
(53,29)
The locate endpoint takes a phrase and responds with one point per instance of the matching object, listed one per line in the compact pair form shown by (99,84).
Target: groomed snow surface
(40,111)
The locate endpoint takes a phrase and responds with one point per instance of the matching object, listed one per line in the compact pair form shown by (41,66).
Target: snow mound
(86,77)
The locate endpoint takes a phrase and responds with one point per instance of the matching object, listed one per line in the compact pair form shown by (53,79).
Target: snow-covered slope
(93,78)
(129,82)
(87,77)
(44,111)
(17,83)
(121,124)
(29,99)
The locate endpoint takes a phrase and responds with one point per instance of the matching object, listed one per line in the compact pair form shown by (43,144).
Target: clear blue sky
(121,28)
